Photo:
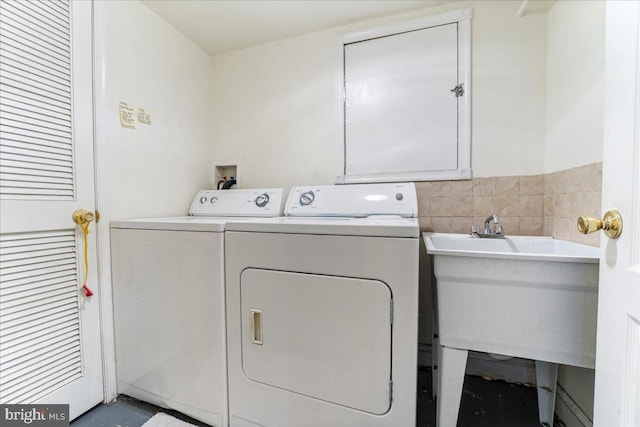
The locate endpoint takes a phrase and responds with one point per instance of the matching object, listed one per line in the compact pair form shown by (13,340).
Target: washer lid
(182,223)
(373,226)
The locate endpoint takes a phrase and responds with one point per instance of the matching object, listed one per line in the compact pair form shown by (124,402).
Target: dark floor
(484,403)
(126,412)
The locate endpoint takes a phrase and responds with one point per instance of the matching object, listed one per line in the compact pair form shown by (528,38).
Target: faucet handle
(498,228)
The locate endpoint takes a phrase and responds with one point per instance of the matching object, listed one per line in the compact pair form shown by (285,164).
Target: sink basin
(516,247)
(529,297)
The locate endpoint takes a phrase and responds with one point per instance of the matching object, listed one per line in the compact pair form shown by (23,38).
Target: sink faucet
(487,224)
(486,232)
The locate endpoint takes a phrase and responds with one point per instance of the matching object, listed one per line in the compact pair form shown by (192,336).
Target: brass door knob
(611,223)
(82,216)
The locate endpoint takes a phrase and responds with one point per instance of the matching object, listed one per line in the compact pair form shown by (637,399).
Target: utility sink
(529,297)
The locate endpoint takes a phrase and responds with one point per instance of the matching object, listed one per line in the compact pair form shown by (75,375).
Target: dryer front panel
(321,336)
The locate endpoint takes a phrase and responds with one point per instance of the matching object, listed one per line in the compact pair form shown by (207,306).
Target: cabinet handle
(256,326)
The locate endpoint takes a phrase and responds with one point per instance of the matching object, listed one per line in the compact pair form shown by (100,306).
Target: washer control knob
(307,198)
(203,199)
(262,200)
(399,196)
(213,199)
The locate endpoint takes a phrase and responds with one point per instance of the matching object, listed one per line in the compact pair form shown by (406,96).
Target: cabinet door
(325,337)
(406,102)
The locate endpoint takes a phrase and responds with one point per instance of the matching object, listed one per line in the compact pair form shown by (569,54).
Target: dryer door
(325,337)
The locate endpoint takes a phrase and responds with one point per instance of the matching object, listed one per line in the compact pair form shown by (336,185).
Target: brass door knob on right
(611,223)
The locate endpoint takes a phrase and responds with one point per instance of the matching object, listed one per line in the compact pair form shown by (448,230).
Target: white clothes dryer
(322,310)
(169,302)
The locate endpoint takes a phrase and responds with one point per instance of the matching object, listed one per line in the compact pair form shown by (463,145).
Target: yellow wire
(85,230)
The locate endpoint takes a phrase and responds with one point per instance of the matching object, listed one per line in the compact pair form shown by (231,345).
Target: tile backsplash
(537,205)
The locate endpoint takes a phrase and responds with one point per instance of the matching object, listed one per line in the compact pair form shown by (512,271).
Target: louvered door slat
(31,329)
(35,156)
(36,179)
(20,103)
(45,326)
(34,193)
(33,270)
(35,284)
(53,8)
(23,351)
(28,84)
(18,10)
(57,71)
(14,378)
(22,30)
(27,252)
(36,129)
(33,355)
(43,312)
(34,123)
(30,391)
(21,263)
(36,113)
(9,66)
(37,299)
(34,8)
(12,137)
(65,334)
(37,238)
(43,386)
(35,160)
(34,309)
(35,147)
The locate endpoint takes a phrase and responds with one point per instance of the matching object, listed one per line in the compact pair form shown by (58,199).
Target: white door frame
(103,205)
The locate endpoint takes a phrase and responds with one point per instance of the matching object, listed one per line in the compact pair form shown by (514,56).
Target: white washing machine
(169,302)
(322,310)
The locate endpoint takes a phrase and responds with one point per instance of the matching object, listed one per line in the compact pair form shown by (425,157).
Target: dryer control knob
(203,199)
(307,198)
(213,199)
(262,200)
(399,196)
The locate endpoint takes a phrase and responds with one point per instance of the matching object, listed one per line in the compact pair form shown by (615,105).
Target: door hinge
(458,91)
(391,312)
(390,392)
(97,215)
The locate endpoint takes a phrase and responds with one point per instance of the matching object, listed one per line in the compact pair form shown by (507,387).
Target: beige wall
(275,110)
(154,170)
(575,84)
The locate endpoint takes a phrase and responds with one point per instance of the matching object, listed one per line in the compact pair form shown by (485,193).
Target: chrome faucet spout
(487,222)
(497,233)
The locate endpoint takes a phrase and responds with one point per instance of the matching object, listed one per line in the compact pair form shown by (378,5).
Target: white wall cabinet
(403,101)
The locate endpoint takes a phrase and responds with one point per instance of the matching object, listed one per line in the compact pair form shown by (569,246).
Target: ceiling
(223,25)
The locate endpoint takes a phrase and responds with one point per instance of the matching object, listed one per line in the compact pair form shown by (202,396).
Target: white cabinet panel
(404,101)
(325,337)
(401,115)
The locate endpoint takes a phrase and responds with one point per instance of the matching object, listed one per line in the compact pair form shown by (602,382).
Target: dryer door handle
(256,326)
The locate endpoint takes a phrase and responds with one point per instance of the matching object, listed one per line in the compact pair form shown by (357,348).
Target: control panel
(355,200)
(255,202)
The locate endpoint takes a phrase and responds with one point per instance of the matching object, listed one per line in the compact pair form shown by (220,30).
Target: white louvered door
(50,350)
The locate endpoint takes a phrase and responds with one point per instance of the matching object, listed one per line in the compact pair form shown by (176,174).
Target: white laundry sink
(530,297)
